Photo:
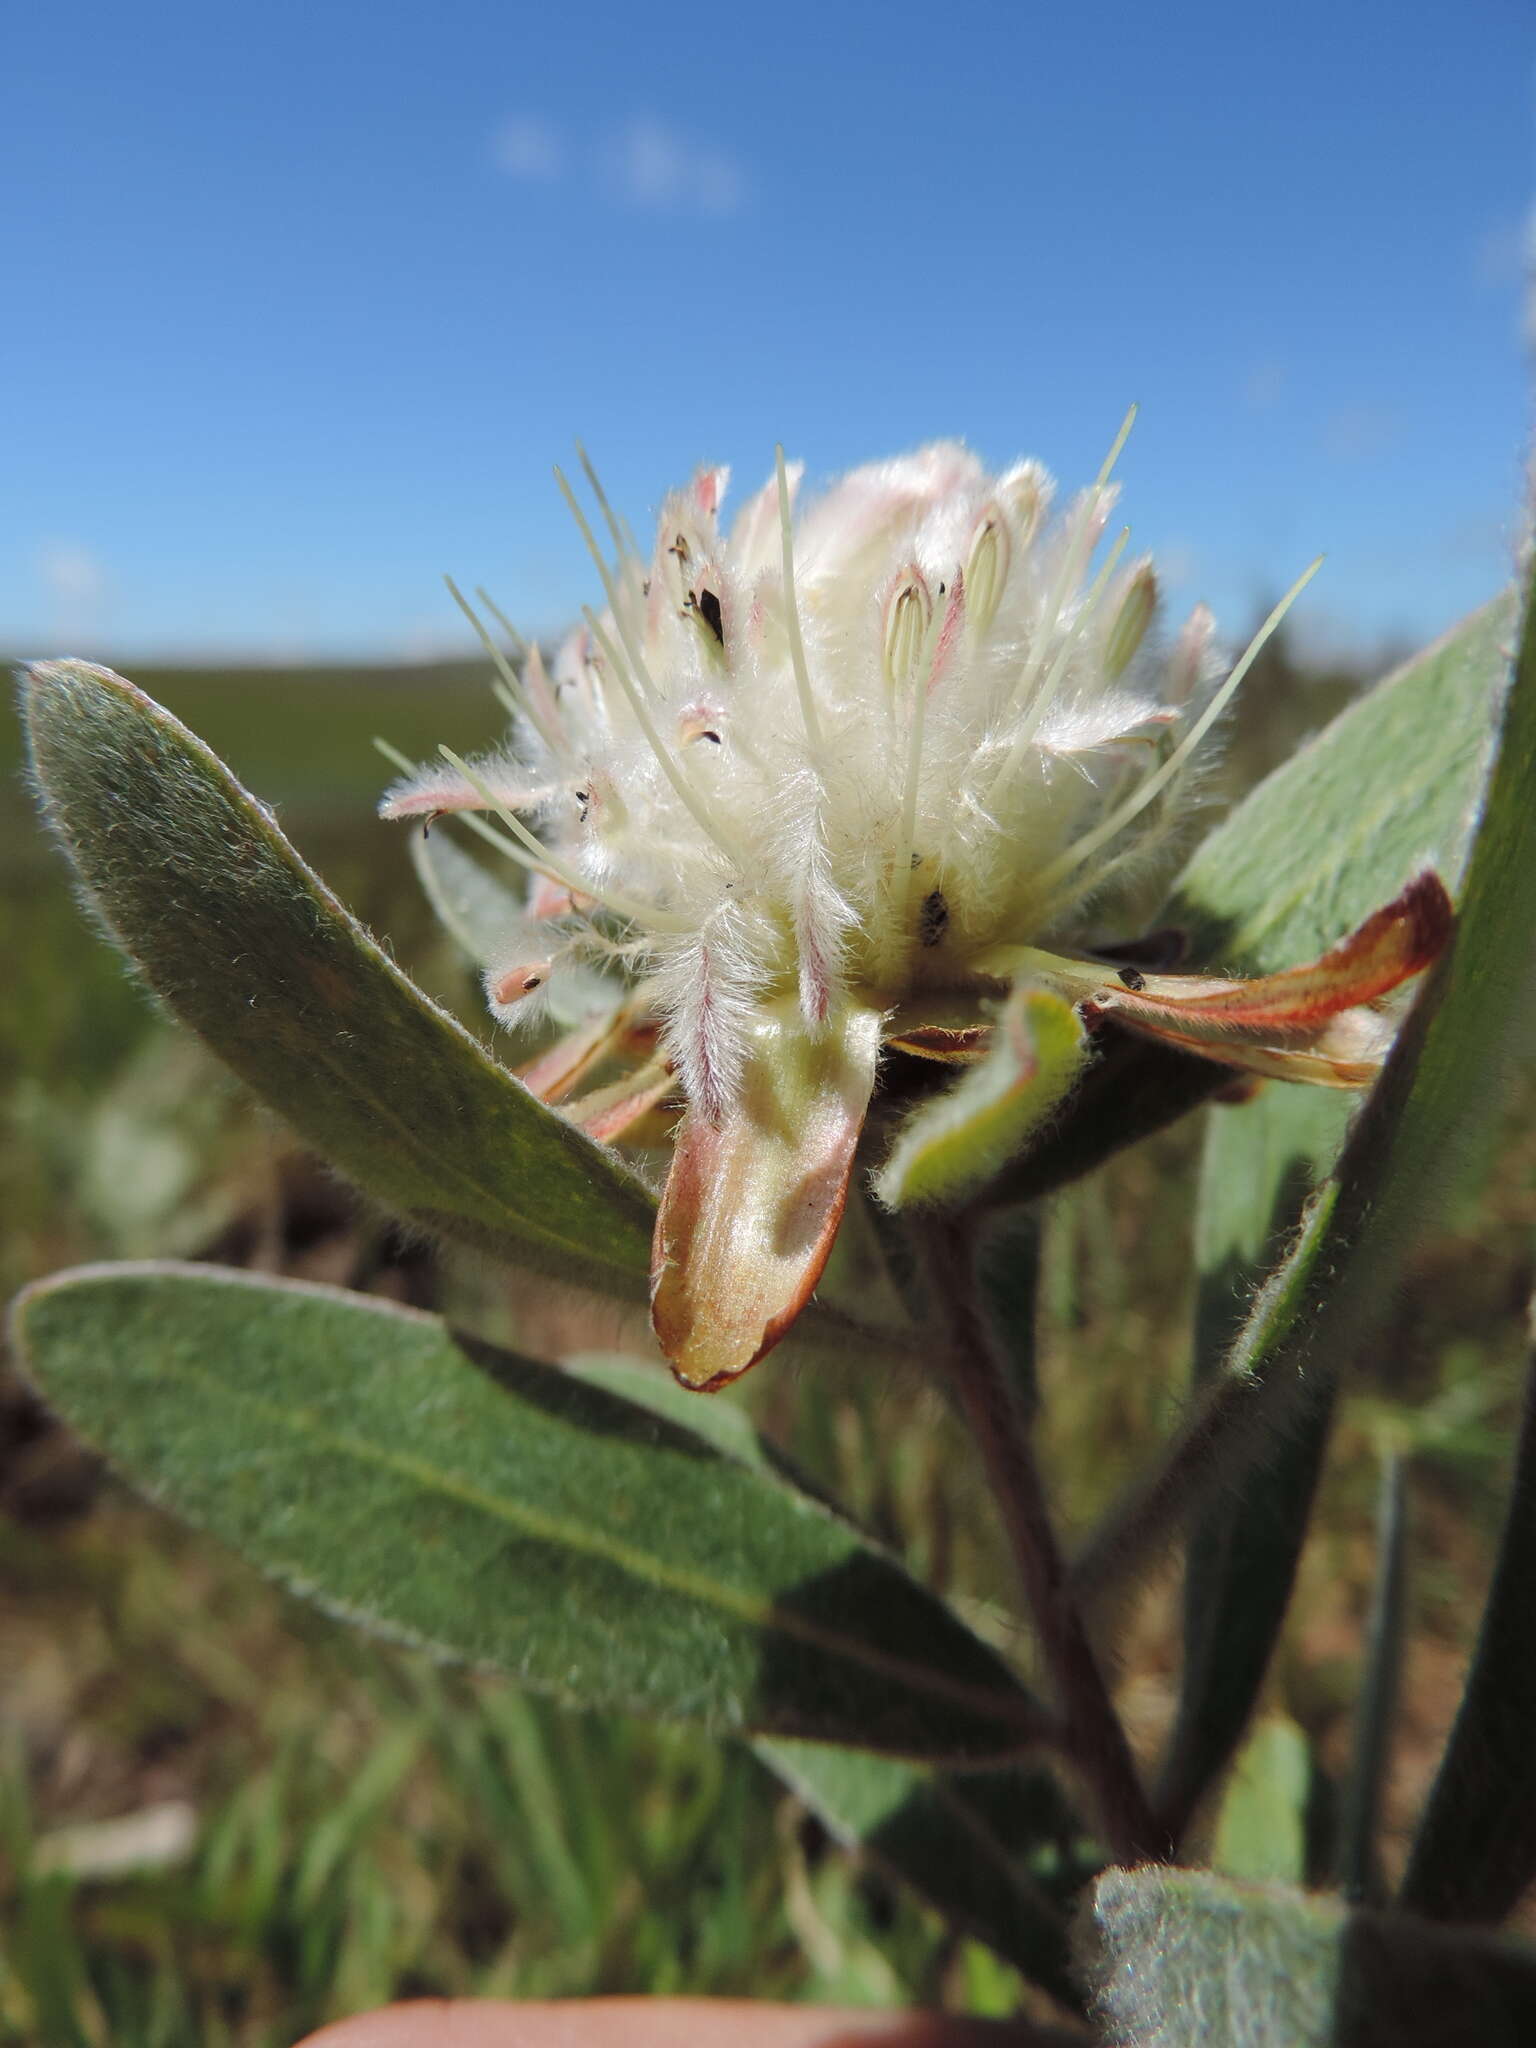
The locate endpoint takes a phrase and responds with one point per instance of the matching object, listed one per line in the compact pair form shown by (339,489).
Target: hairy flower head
(806,775)
(847,760)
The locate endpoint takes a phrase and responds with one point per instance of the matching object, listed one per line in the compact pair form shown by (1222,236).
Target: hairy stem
(1092,1734)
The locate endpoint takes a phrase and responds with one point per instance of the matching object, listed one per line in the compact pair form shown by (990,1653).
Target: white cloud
(526,146)
(664,172)
(1361,433)
(643,164)
(1503,254)
(71,573)
(75,581)
(1264,386)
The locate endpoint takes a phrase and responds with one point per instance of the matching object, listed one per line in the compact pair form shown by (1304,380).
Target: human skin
(667,2023)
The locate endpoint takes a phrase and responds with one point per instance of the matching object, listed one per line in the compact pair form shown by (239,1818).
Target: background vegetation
(224,1819)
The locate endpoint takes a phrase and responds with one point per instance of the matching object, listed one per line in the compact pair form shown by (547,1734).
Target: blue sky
(306,299)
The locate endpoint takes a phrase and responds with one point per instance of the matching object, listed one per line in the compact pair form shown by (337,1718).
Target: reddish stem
(1093,1735)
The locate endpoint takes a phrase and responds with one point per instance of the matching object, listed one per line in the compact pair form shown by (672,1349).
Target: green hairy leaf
(1181,1959)
(194,881)
(1393,785)
(507,1514)
(951,1147)
(1396,783)
(990,1849)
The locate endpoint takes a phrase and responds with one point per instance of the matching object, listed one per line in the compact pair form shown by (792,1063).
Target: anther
(932,918)
(1131,621)
(518,982)
(986,571)
(908,612)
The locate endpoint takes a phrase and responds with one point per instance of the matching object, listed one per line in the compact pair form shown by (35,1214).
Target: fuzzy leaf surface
(506,1514)
(1183,1959)
(992,1850)
(1396,784)
(1391,786)
(965,1136)
(247,946)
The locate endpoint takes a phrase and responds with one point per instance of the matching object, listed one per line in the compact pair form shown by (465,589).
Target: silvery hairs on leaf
(831,777)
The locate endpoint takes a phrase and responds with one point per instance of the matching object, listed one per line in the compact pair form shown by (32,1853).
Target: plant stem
(1093,1734)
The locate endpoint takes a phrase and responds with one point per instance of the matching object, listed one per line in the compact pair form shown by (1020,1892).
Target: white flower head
(808,771)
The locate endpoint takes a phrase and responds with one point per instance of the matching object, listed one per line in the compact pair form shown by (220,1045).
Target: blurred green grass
(367,1827)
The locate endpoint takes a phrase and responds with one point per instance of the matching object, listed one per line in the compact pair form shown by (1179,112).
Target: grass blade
(1475,1853)
(1357,1869)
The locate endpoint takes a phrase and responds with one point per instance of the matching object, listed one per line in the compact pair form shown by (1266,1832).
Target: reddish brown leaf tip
(1430,915)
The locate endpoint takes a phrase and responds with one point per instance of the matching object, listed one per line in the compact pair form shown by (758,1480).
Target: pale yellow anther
(1026,497)
(1131,621)
(986,572)
(908,613)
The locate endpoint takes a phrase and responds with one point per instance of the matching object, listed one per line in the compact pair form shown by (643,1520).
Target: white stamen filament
(614,900)
(908,836)
(1116,447)
(642,674)
(808,712)
(442,903)
(470,820)
(1035,716)
(1046,695)
(548,706)
(505,698)
(519,644)
(622,544)
(922,679)
(1073,562)
(702,813)
(508,675)
(539,857)
(1107,828)
(760,830)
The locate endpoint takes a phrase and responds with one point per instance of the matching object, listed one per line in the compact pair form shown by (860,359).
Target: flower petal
(438,788)
(951,1045)
(754,1197)
(1348,1053)
(624,1033)
(615,1112)
(953,1026)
